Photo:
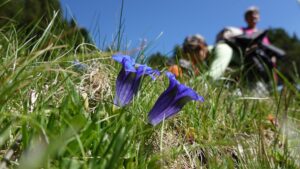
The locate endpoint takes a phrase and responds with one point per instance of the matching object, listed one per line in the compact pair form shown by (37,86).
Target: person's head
(252,16)
(195,48)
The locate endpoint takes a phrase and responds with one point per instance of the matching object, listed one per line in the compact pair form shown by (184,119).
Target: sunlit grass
(53,116)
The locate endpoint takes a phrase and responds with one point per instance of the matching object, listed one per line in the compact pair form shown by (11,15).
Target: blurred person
(225,53)
(194,53)
(252,17)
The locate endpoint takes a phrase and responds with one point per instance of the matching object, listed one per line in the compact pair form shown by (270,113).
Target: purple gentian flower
(129,79)
(172,100)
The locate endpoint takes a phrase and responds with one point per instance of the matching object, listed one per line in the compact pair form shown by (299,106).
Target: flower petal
(184,91)
(168,112)
(172,100)
(129,79)
(146,70)
(128,66)
(120,57)
(126,88)
(157,113)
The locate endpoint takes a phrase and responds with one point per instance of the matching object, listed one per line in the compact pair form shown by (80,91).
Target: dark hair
(194,48)
(251,11)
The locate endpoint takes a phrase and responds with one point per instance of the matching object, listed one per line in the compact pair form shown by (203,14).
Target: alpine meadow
(66,103)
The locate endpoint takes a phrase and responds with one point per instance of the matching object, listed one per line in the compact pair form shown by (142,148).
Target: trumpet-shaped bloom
(129,79)
(172,100)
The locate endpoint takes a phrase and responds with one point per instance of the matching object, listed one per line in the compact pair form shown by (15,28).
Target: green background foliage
(36,15)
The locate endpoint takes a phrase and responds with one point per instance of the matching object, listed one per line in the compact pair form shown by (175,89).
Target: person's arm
(223,54)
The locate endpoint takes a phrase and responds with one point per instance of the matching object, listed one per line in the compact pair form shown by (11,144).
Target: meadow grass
(53,116)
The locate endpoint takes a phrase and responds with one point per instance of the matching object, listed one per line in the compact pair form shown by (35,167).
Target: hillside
(58,110)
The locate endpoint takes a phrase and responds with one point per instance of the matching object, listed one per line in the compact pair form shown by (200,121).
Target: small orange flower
(272,119)
(176,70)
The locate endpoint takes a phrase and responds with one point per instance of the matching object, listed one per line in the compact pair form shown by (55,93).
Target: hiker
(225,53)
(252,17)
(194,53)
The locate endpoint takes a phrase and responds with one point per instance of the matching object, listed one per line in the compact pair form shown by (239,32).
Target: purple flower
(129,79)
(172,100)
